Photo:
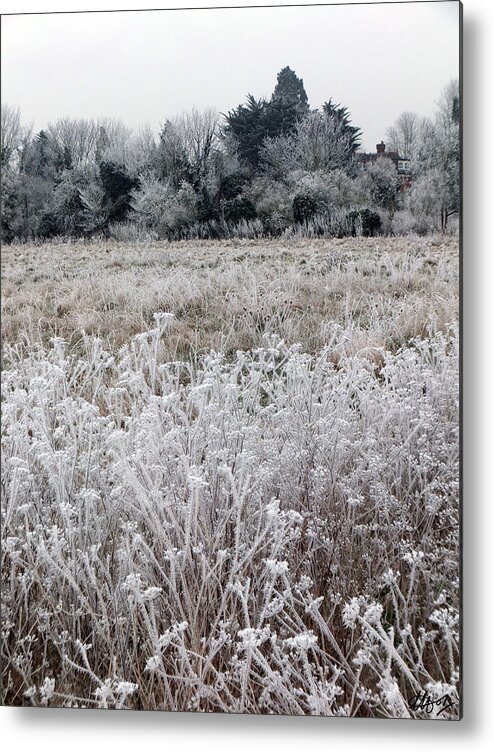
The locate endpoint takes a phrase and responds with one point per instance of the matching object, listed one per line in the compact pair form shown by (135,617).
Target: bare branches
(13,135)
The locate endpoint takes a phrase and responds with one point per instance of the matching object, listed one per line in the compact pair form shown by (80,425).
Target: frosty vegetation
(204,510)
(270,167)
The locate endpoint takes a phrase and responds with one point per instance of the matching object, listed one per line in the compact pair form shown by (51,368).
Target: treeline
(267,167)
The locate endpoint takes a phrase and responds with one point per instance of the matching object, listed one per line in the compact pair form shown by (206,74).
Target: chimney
(381,148)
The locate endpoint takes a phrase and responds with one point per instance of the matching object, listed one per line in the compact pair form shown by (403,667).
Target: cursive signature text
(425,701)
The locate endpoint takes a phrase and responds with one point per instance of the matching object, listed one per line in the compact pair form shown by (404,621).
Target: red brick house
(402,164)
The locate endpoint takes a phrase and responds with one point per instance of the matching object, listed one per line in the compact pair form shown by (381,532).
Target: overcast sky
(378,59)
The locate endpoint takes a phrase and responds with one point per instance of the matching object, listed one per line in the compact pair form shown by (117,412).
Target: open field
(226,295)
(271,527)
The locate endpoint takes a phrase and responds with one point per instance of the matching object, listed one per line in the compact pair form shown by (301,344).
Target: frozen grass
(272,530)
(225,295)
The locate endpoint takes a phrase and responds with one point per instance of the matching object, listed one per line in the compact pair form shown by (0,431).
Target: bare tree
(449,152)
(404,135)
(429,197)
(74,140)
(12,133)
(199,136)
(77,140)
(437,166)
(189,148)
(116,132)
(279,156)
(448,107)
(137,153)
(146,148)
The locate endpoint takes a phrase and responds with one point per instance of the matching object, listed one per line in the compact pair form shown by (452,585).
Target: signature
(424,701)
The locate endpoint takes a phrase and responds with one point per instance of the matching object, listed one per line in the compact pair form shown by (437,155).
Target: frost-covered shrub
(150,202)
(67,204)
(377,185)
(321,193)
(48,226)
(305,206)
(406,223)
(364,222)
(179,211)
(246,228)
(341,189)
(274,532)
(314,192)
(340,223)
(232,185)
(238,209)
(273,203)
(94,214)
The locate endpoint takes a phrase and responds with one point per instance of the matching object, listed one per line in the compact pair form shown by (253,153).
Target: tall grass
(226,295)
(275,531)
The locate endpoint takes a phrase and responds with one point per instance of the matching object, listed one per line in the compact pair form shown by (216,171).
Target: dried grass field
(230,475)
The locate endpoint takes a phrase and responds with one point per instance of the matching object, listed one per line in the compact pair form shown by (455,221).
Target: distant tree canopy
(270,165)
(433,145)
(287,119)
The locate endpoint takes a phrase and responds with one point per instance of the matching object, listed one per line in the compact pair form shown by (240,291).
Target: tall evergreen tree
(251,123)
(290,90)
(117,186)
(280,118)
(246,123)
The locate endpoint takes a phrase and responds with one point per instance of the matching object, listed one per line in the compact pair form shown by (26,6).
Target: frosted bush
(271,532)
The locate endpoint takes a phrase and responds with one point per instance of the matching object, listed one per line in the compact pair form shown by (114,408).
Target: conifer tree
(341,119)
(290,90)
(258,119)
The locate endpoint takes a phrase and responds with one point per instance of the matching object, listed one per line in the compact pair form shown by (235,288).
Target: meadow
(230,475)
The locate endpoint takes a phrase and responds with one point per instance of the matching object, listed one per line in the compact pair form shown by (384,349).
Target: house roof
(394,155)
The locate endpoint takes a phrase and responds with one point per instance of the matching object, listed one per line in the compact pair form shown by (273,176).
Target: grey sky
(378,60)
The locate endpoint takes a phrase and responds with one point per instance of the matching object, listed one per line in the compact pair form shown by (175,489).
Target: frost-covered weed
(275,533)
(226,294)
